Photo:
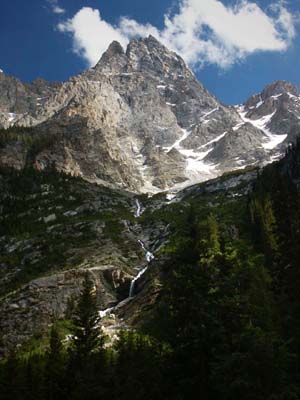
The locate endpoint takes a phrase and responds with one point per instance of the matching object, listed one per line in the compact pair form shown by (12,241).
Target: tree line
(226,324)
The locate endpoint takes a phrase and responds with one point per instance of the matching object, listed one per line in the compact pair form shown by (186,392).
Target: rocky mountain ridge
(140,120)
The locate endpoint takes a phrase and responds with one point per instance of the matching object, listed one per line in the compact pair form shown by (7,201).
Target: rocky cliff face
(21,101)
(54,229)
(140,120)
(276,112)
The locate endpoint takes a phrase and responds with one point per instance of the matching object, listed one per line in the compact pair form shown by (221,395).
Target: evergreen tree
(86,337)
(55,366)
(83,372)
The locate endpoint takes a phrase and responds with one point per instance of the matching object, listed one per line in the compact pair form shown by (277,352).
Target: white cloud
(91,34)
(202,31)
(56,9)
(285,21)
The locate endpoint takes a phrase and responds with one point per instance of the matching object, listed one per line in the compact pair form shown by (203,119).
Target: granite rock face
(35,306)
(19,101)
(276,110)
(141,120)
(55,229)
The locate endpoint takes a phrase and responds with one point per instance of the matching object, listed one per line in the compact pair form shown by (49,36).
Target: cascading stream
(149,257)
(132,284)
(138,210)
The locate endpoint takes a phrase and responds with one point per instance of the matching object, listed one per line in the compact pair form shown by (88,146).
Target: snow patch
(236,127)
(276,96)
(214,140)
(273,140)
(292,96)
(177,144)
(203,117)
(261,102)
(170,104)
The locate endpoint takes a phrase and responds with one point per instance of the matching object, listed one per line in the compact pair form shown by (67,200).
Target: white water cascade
(138,210)
(132,284)
(149,257)
(107,311)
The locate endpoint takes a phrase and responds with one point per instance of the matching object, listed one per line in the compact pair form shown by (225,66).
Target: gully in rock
(149,257)
(132,284)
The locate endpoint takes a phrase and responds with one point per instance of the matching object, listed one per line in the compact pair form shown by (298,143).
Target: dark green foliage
(139,368)
(28,196)
(225,326)
(55,366)
(22,135)
(86,327)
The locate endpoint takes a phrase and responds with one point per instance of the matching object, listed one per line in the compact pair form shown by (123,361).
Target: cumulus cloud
(202,31)
(91,34)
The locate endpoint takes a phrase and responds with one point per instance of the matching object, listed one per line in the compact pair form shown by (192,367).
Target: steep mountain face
(141,120)
(21,101)
(275,111)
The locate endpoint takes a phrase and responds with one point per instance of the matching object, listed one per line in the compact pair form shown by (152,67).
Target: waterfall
(104,313)
(149,257)
(138,209)
(132,284)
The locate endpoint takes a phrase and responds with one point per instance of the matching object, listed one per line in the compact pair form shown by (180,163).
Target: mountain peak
(151,56)
(173,130)
(279,87)
(113,59)
(153,40)
(147,40)
(115,48)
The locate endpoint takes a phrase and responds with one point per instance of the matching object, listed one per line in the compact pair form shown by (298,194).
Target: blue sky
(234,47)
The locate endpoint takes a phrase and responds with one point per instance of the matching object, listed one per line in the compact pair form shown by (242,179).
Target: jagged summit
(115,49)
(141,120)
(276,110)
(144,55)
(112,60)
(278,88)
(273,91)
